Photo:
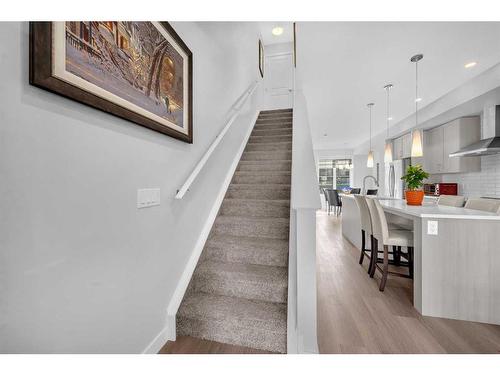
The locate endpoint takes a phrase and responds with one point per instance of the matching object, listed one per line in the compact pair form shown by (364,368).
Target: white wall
(81,268)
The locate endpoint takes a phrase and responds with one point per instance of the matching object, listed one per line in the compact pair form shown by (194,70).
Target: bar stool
(366,231)
(395,237)
(366,226)
(451,200)
(482,204)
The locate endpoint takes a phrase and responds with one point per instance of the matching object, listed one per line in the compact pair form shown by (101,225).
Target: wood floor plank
(192,345)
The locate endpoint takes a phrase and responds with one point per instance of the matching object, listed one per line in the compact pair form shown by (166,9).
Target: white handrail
(237,108)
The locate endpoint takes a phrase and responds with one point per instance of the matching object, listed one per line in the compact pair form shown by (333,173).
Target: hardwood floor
(355,317)
(191,345)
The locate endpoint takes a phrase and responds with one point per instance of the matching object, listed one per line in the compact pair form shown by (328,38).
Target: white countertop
(432,210)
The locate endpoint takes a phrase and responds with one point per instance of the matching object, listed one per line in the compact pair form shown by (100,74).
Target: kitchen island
(456,257)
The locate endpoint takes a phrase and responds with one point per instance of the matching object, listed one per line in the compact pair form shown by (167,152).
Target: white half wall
(82,270)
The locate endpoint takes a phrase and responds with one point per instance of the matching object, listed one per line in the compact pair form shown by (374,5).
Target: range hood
(488,146)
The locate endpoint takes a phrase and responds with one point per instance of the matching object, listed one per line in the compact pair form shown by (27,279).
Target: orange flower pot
(414,197)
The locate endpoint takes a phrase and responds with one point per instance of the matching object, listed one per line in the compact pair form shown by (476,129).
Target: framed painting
(261,59)
(140,71)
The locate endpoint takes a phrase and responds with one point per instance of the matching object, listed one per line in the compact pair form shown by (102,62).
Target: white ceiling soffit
(268,37)
(344,66)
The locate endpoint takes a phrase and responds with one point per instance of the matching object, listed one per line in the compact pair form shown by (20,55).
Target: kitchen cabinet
(397,148)
(433,150)
(401,147)
(406,145)
(445,139)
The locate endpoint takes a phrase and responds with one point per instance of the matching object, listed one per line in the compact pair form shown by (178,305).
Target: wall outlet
(148,198)
(432,227)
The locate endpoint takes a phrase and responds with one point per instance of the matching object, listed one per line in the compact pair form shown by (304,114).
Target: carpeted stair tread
(252,250)
(263,177)
(269,191)
(267,155)
(270,138)
(252,281)
(256,207)
(252,226)
(264,165)
(256,324)
(282,110)
(269,132)
(271,126)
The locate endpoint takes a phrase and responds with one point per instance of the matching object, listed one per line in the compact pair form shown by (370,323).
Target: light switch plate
(148,198)
(432,227)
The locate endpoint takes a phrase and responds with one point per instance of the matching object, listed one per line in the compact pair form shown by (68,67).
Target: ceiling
(267,36)
(345,65)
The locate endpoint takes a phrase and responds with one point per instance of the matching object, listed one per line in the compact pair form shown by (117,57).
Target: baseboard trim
(179,292)
(161,339)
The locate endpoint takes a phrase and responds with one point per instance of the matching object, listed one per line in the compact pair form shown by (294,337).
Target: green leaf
(414,177)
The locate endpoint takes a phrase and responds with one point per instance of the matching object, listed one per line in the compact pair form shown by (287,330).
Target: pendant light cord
(387,119)
(416,93)
(370,128)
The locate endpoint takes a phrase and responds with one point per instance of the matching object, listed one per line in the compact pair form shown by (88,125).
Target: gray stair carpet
(238,292)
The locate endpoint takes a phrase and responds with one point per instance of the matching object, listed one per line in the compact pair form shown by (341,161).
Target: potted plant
(414,179)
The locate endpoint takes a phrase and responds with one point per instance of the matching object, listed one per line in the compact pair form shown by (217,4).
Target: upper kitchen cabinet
(397,148)
(433,150)
(401,147)
(443,140)
(406,145)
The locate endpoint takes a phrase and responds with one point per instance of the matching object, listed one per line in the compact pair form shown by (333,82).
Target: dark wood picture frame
(40,75)
(261,59)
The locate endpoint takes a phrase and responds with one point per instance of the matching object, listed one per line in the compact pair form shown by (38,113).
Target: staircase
(238,292)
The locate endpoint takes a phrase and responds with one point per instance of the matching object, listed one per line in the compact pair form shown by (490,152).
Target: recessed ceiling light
(418,100)
(470,65)
(389,118)
(277,31)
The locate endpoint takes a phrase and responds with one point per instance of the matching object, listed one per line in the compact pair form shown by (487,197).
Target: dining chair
(335,201)
(326,200)
(371,192)
(451,200)
(356,191)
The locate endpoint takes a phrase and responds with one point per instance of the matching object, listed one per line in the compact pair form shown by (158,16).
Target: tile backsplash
(485,183)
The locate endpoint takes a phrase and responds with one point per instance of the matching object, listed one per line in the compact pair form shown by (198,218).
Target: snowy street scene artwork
(134,64)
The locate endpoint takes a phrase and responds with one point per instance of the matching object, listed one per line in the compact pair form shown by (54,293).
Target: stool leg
(410,261)
(397,255)
(362,255)
(385,268)
(374,257)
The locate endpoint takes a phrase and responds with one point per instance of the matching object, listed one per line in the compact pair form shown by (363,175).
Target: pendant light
(369,161)
(388,142)
(416,134)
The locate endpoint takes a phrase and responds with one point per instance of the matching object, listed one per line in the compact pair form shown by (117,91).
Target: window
(326,174)
(334,173)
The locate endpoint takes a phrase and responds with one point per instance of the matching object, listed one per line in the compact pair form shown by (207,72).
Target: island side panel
(417,264)
(351,222)
(461,270)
